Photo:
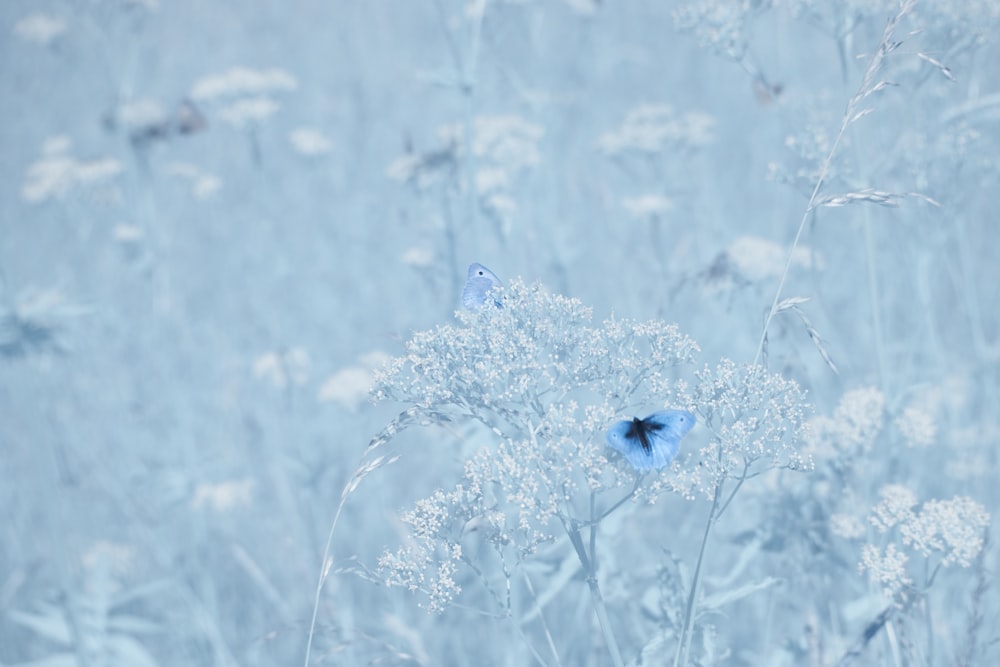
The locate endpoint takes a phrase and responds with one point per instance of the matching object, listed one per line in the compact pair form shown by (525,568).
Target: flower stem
(684,643)
(589,566)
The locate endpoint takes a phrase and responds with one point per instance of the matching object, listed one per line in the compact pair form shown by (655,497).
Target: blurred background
(218,218)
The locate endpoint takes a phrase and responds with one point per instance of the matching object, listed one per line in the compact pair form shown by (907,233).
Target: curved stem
(541,617)
(684,642)
(587,562)
(324,573)
(850,115)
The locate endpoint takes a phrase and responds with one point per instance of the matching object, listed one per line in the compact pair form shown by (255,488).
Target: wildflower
(309,142)
(917,427)
(546,384)
(757,423)
(852,430)
(651,128)
(895,507)
(951,530)
(888,569)
(39,28)
(847,526)
(58,173)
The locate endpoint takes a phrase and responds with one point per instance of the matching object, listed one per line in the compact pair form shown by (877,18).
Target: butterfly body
(650,443)
(478,285)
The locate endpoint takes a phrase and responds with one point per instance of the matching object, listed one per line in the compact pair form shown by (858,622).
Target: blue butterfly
(478,286)
(650,443)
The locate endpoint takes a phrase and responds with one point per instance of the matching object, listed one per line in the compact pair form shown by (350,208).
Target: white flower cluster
(757,423)
(547,384)
(717,25)
(503,146)
(851,431)
(247,95)
(652,128)
(58,173)
(952,530)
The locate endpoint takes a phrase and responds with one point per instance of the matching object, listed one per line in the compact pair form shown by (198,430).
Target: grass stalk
(687,630)
(590,567)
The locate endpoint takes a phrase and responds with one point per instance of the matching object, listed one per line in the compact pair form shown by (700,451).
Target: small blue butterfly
(650,443)
(477,287)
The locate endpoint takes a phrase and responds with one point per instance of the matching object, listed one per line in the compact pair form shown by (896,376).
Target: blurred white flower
(223,496)
(894,508)
(203,184)
(847,526)
(651,128)
(142,113)
(243,81)
(951,529)
(39,28)
(758,258)
(116,556)
(308,141)
(917,427)
(511,142)
(57,173)
(249,110)
(474,9)
(282,369)
(505,145)
(489,180)
(583,7)
(127,233)
(404,168)
(647,206)
(57,144)
(886,569)
(852,429)
(954,528)
(419,257)
(350,386)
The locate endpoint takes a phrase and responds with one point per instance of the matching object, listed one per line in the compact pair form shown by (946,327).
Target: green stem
(595,594)
(684,643)
(866,87)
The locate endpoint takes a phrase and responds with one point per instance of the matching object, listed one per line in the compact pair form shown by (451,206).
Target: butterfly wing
(478,284)
(650,443)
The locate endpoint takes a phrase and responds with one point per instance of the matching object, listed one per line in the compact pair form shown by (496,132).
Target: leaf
(653,652)
(133,625)
(54,660)
(129,651)
(719,600)
(50,624)
(941,67)
(789,303)
(861,114)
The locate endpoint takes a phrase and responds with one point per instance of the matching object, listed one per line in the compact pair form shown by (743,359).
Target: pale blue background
(183,370)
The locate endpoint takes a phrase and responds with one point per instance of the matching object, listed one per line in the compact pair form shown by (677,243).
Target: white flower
(758,258)
(308,141)
(895,508)
(917,427)
(39,28)
(647,206)
(651,128)
(847,526)
(282,369)
(249,110)
(350,386)
(58,173)
(887,569)
(244,81)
